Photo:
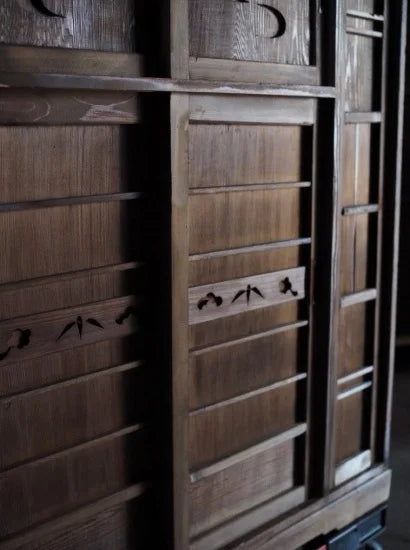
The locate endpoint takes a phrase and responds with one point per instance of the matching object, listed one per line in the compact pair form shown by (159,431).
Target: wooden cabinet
(197,279)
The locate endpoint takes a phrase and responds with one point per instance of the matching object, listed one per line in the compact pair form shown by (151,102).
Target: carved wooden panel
(75,386)
(94,25)
(249,177)
(273,31)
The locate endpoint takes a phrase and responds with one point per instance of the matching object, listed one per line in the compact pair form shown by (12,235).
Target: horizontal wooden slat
(67,364)
(237,458)
(59,107)
(115,527)
(217,222)
(83,446)
(227,430)
(10,79)
(95,471)
(358,374)
(46,329)
(72,381)
(86,62)
(364,15)
(255,187)
(359,209)
(252,110)
(238,326)
(362,118)
(364,32)
(249,249)
(43,424)
(248,395)
(354,391)
(250,521)
(229,343)
(353,467)
(274,288)
(68,201)
(359,297)
(62,277)
(71,520)
(234,155)
(68,238)
(218,498)
(206,68)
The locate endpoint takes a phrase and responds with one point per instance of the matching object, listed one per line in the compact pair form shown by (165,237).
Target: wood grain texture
(359,73)
(66,239)
(355,255)
(58,330)
(244,324)
(265,110)
(251,520)
(73,479)
(234,368)
(60,107)
(208,68)
(247,263)
(355,346)
(243,31)
(222,155)
(86,62)
(57,367)
(239,219)
(256,292)
(69,415)
(239,488)
(356,164)
(101,524)
(91,160)
(230,429)
(349,426)
(67,293)
(94,25)
(180,321)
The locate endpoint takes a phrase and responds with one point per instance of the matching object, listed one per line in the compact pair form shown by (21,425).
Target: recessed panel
(219,432)
(274,32)
(233,154)
(356,334)
(223,371)
(237,219)
(94,25)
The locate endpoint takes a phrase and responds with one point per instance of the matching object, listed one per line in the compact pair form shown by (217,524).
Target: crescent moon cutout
(40,7)
(280,19)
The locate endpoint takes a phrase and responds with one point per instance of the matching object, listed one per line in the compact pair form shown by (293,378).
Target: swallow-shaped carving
(248,292)
(79,323)
(131,310)
(286,286)
(18,340)
(210,298)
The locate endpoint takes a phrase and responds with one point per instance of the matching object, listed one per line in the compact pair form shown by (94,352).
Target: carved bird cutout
(248,292)
(19,339)
(210,298)
(286,286)
(79,323)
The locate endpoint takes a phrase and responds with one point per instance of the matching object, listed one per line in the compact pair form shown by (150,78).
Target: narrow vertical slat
(390,241)
(179,39)
(179,236)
